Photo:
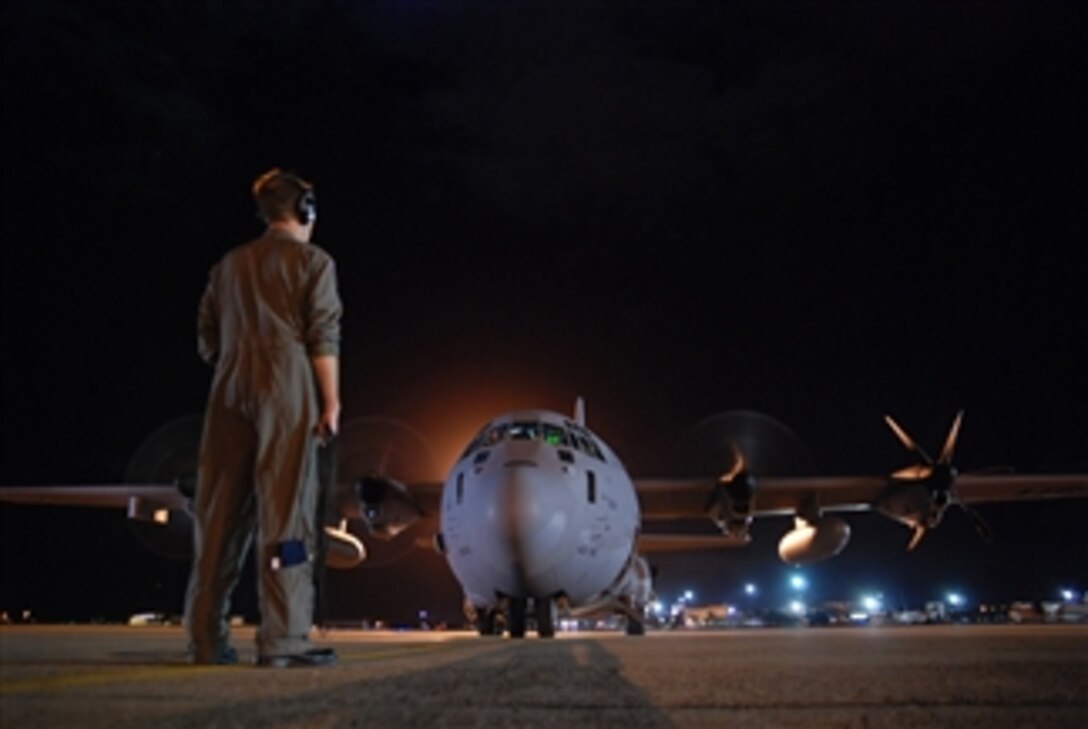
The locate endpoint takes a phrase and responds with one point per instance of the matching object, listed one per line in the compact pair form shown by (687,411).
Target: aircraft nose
(536,509)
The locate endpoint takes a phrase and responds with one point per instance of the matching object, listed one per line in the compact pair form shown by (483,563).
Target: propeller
(379,449)
(939,479)
(738,445)
(381,446)
(169,455)
(742,440)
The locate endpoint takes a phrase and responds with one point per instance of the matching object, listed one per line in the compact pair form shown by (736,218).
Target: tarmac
(962,676)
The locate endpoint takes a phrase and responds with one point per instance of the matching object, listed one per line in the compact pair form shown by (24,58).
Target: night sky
(824,212)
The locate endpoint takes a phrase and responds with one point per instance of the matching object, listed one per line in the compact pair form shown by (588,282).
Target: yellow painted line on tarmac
(79,680)
(44,684)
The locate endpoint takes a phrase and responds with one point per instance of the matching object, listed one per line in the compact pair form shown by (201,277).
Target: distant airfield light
(955,599)
(1069,595)
(871,603)
(657,608)
(798,582)
(749,589)
(688,596)
(797,607)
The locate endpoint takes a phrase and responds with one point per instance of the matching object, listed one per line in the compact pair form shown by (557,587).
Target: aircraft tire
(544,610)
(516,617)
(485,622)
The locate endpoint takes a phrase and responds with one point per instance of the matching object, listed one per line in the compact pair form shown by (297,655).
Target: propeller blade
(739,464)
(906,440)
(919,532)
(983,529)
(726,478)
(949,446)
(918,472)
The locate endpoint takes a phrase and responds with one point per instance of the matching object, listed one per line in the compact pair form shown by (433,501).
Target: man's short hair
(278,194)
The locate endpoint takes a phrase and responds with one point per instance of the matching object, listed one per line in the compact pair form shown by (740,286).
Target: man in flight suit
(269,321)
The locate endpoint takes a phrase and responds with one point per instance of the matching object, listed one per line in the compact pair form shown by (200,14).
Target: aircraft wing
(116,496)
(427,496)
(668,499)
(657,543)
(675,499)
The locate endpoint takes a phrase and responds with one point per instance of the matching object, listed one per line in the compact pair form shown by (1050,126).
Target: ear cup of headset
(307,207)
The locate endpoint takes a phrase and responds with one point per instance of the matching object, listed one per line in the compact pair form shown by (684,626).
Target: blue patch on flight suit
(289,554)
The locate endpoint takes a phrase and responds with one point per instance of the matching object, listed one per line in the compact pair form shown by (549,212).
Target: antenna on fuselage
(580,411)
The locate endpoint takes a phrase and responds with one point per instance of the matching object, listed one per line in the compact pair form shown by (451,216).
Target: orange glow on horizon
(451,419)
(450,407)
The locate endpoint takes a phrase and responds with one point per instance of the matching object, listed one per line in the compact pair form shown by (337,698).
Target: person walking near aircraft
(269,322)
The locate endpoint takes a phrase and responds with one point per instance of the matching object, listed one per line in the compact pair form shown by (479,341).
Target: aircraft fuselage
(540,508)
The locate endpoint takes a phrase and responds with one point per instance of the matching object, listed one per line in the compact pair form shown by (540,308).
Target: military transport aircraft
(538,514)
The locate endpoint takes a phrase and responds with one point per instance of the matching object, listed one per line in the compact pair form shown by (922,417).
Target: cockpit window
(571,436)
(485,439)
(554,435)
(493,436)
(584,442)
(524,431)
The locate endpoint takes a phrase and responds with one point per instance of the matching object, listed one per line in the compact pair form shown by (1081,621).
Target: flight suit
(269,306)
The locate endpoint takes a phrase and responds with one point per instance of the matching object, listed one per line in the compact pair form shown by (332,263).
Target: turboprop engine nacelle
(385,506)
(731,504)
(813,541)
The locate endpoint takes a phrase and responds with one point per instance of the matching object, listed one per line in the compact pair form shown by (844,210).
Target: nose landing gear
(513,617)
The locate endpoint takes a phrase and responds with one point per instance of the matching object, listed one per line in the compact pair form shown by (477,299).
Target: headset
(306,207)
(306,202)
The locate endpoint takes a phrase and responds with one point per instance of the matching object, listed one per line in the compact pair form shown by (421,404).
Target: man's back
(268,305)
